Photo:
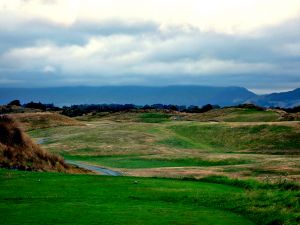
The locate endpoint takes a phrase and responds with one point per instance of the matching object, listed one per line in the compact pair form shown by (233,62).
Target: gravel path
(96,169)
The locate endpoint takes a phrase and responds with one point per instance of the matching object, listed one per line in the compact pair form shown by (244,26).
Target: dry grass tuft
(18,151)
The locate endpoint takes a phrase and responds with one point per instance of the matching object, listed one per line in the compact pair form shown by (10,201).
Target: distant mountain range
(140,95)
(282,99)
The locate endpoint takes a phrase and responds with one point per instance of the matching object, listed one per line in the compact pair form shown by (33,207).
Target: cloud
(46,2)
(231,16)
(14,33)
(154,51)
(49,69)
(145,51)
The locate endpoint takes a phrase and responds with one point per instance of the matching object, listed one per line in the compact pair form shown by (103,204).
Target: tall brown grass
(18,151)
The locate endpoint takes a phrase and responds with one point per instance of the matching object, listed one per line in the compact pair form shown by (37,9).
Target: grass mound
(18,151)
(237,115)
(257,138)
(31,121)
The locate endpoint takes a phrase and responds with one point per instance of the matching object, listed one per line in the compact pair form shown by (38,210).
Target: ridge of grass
(144,162)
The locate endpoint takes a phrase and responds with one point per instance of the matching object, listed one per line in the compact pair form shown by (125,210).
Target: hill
(141,95)
(283,99)
(18,151)
(178,95)
(38,120)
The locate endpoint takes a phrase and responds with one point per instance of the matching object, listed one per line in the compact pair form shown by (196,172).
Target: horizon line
(255,91)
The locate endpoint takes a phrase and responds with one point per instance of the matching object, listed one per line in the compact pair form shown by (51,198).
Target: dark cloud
(28,33)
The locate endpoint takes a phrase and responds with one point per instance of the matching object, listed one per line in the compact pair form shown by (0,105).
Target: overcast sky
(249,43)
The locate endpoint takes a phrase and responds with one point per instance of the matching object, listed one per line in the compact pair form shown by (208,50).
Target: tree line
(82,109)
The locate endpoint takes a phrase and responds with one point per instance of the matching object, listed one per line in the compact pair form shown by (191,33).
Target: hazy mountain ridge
(141,95)
(282,99)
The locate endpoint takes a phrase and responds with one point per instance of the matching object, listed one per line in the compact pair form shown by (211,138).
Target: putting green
(51,198)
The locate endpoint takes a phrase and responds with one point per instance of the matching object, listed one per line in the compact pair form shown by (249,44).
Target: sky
(249,43)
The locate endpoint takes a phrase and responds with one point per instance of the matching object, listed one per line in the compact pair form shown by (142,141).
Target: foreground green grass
(51,198)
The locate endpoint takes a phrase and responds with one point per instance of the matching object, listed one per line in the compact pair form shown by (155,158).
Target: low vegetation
(256,138)
(238,115)
(232,166)
(174,145)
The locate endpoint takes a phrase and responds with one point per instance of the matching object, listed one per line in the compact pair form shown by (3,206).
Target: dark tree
(206,108)
(193,109)
(34,105)
(15,103)
(250,106)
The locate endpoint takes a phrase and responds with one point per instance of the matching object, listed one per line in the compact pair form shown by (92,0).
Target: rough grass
(251,184)
(236,115)
(135,144)
(223,137)
(128,139)
(85,199)
(31,121)
(251,115)
(101,138)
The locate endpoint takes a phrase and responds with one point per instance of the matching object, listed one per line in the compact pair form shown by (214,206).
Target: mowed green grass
(154,117)
(145,162)
(32,198)
(53,198)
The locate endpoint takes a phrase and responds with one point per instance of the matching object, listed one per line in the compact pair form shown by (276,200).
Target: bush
(15,103)
(34,105)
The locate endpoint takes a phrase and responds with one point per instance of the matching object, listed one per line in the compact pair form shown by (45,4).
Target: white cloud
(121,54)
(49,69)
(292,49)
(222,16)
